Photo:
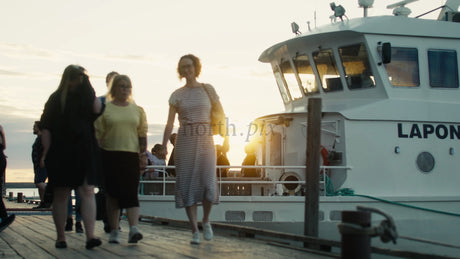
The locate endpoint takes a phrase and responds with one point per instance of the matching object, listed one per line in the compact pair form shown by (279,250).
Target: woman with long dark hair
(70,149)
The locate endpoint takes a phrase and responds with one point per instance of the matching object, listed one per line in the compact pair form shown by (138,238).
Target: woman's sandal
(93,242)
(60,244)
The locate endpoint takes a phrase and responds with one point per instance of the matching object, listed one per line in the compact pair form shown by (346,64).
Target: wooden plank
(33,236)
(245,231)
(6,251)
(15,237)
(75,241)
(43,236)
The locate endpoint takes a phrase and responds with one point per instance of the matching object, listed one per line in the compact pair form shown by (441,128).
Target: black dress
(73,154)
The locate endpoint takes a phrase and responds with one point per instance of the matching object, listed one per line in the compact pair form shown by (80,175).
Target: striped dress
(195,155)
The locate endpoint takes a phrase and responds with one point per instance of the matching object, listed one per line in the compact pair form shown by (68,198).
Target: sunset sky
(144,39)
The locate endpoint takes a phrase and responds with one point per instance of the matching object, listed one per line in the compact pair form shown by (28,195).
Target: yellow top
(120,127)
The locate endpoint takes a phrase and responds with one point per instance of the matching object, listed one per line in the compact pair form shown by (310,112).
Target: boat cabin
(390,99)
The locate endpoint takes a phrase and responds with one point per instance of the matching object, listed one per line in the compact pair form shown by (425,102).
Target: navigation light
(295,28)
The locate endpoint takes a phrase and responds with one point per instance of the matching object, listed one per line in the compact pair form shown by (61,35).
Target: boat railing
(167,182)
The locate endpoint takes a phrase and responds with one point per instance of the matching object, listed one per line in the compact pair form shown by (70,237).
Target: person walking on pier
(100,196)
(70,149)
(122,135)
(40,172)
(195,154)
(5,220)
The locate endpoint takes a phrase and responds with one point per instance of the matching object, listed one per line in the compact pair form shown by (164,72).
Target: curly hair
(159,151)
(196,63)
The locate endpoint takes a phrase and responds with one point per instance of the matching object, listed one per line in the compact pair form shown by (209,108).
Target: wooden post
(356,245)
(20,200)
(312,171)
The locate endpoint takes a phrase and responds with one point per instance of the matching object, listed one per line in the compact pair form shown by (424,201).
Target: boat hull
(421,217)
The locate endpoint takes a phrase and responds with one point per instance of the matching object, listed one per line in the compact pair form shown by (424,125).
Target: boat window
(327,69)
(291,80)
(403,70)
(443,68)
(355,63)
(306,75)
(281,85)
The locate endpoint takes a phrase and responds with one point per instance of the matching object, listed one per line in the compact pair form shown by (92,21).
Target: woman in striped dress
(195,154)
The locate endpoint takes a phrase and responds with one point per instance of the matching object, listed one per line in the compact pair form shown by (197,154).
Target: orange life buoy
(324,154)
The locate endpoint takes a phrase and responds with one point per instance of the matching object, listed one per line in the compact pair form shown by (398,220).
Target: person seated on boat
(157,156)
(146,172)
(221,157)
(250,159)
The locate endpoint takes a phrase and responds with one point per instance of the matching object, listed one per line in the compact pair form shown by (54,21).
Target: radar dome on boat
(399,8)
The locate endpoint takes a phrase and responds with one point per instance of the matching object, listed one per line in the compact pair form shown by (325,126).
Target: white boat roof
(384,101)
(380,25)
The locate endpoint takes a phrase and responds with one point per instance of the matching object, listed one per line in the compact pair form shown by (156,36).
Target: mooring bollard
(20,200)
(355,243)
(10,196)
(356,231)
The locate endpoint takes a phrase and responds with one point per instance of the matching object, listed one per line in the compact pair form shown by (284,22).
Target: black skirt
(121,177)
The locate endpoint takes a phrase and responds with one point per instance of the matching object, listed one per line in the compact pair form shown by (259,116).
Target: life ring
(290,187)
(291,176)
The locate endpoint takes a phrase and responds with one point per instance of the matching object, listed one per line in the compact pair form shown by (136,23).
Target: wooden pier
(32,235)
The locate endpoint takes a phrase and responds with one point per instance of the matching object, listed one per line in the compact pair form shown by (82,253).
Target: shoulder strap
(205,87)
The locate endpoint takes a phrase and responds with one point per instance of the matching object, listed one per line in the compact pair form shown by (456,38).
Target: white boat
(390,131)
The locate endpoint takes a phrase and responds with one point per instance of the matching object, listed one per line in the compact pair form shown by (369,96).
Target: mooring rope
(350,192)
(428,241)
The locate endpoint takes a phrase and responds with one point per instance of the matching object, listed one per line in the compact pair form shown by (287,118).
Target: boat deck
(32,235)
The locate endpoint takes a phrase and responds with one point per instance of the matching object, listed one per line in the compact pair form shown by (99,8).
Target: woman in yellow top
(122,134)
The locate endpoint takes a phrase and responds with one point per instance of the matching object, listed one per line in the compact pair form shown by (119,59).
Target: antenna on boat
(400,9)
(365,4)
(339,11)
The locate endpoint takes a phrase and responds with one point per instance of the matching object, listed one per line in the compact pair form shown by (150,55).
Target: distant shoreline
(19,185)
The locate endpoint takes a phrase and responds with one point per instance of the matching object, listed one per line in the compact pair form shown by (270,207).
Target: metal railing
(165,179)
